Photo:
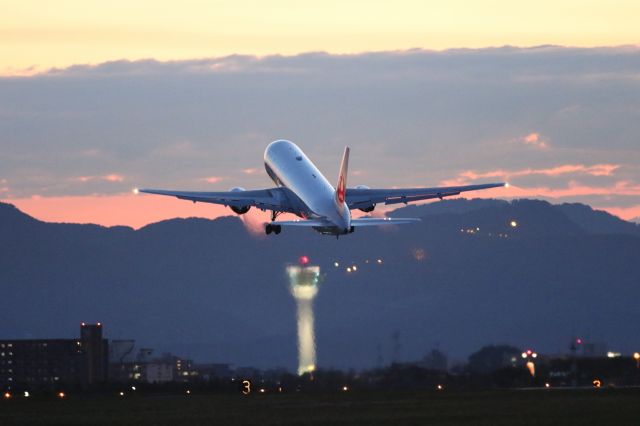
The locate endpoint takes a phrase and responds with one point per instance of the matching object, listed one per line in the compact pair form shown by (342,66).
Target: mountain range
(473,272)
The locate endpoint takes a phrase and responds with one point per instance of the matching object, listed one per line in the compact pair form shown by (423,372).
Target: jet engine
(366,209)
(239,209)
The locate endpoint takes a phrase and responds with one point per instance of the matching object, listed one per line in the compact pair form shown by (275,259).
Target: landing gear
(276,229)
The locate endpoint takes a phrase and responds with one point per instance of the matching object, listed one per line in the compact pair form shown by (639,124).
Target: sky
(97,99)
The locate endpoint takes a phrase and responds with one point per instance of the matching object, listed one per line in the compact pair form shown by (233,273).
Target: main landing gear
(276,229)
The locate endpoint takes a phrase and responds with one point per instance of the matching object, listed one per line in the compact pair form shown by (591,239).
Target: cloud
(113,177)
(534,139)
(469,176)
(213,179)
(411,118)
(572,190)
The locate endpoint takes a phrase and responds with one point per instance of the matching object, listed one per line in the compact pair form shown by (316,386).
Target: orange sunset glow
(38,35)
(96,97)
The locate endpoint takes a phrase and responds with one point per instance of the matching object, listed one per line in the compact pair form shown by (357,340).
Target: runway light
(61,395)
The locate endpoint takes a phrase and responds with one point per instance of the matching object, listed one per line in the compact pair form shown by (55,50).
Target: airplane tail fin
(341,188)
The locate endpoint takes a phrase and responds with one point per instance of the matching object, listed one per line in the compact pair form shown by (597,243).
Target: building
(55,363)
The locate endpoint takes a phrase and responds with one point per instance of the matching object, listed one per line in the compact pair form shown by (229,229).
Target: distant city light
(336,264)
(121,393)
(524,354)
(547,385)
(304,260)
(636,356)
(597,383)
(26,394)
(579,341)
(534,355)
(439,387)
(513,223)
(7,395)
(188,392)
(379,261)
(613,354)
(262,390)
(349,269)
(133,388)
(345,388)
(61,395)
(354,268)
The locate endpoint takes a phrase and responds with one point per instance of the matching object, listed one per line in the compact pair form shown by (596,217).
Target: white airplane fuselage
(289,167)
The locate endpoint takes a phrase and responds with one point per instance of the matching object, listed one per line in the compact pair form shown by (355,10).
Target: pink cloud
(108,178)
(213,179)
(113,178)
(534,139)
(564,169)
(573,189)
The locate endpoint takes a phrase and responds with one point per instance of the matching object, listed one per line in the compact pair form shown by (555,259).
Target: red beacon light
(304,260)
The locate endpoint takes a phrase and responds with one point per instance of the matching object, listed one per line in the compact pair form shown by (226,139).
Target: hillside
(210,290)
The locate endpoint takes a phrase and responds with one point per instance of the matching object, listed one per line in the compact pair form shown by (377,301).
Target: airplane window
(299,158)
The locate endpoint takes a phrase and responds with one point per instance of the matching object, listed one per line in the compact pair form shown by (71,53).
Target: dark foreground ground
(539,407)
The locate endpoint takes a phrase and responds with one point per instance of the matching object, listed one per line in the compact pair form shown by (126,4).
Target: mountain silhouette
(213,291)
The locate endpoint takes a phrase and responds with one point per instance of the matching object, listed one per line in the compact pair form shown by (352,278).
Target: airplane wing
(365,197)
(265,199)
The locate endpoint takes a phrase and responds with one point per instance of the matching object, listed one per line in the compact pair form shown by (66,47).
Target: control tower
(303,284)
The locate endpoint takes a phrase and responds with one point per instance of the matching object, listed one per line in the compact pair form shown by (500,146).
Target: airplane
(302,190)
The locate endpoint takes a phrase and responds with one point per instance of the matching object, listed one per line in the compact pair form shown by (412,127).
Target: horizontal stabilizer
(302,222)
(379,221)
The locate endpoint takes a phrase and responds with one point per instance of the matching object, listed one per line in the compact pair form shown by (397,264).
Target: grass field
(540,407)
